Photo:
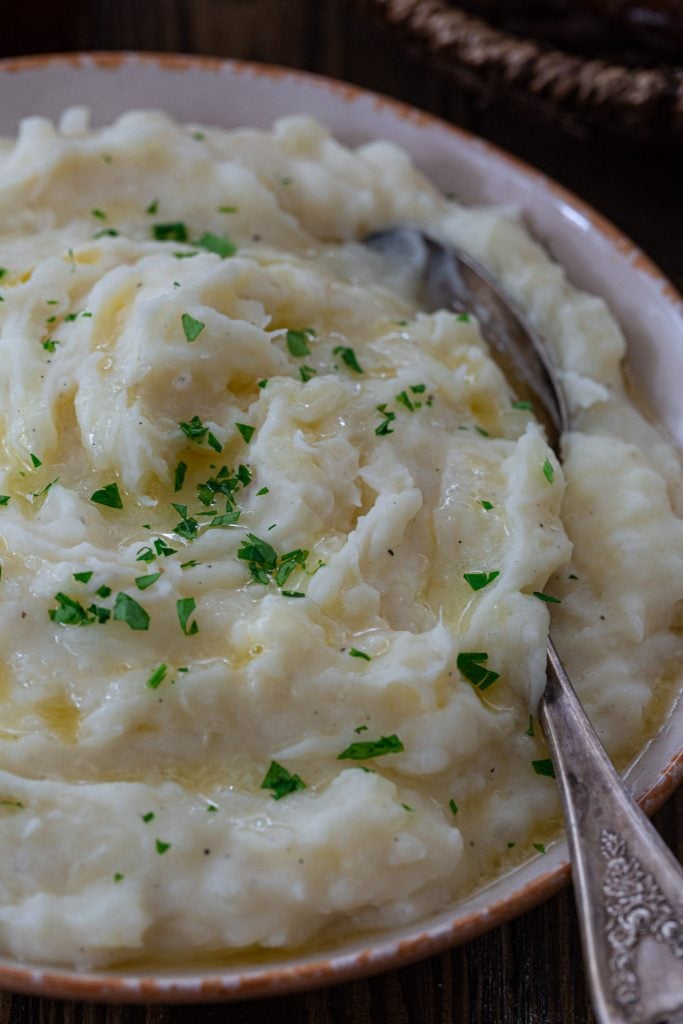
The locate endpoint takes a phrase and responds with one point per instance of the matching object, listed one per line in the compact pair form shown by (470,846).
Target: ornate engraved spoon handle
(628,885)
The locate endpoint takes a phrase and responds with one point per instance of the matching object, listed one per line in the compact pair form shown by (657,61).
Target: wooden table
(529,971)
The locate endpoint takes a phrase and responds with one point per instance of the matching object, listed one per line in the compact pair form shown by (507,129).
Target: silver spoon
(628,884)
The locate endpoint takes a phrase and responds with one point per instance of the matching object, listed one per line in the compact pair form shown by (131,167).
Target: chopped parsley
(50,345)
(5,499)
(118,877)
(106,233)
(530,727)
(264,490)
(162,548)
(103,591)
(281,781)
(539,846)
(453,806)
(162,847)
(471,666)
(306,372)
(3,272)
(149,816)
(355,653)
(548,598)
(479,580)
(362,750)
(385,426)
(197,432)
(260,556)
(108,495)
(486,505)
(173,232)
(154,682)
(127,609)
(192,328)
(246,431)
(220,245)
(153,207)
(70,612)
(185,606)
(548,471)
(35,461)
(297,342)
(83,577)
(142,582)
(463,318)
(544,767)
(228,209)
(348,357)
(179,477)
(523,404)
(98,214)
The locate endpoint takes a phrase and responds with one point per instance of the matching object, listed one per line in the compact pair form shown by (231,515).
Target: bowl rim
(382,953)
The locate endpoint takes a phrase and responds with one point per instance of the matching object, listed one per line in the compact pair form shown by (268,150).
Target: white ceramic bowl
(597,258)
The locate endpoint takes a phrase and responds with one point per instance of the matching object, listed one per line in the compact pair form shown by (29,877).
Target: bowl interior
(597,258)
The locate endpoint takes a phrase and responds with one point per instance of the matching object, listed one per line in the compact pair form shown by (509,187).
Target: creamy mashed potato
(279,549)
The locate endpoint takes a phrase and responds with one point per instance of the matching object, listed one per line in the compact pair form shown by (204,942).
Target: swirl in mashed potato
(279,549)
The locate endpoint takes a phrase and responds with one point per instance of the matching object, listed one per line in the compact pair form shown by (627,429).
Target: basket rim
(467,47)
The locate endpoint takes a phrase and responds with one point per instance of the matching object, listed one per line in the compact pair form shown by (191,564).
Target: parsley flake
(479,580)
(530,727)
(142,582)
(127,609)
(348,357)
(153,207)
(523,404)
(192,328)
(35,461)
(306,372)
(548,598)
(297,342)
(220,245)
(453,806)
(470,665)
(185,606)
(83,577)
(108,495)
(179,478)
(355,653)
(544,767)
(70,612)
(246,431)
(486,505)
(118,877)
(548,471)
(5,499)
(281,781)
(539,846)
(162,847)
(173,232)
(362,750)
(154,682)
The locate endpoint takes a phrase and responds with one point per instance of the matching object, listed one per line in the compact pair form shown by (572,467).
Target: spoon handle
(628,885)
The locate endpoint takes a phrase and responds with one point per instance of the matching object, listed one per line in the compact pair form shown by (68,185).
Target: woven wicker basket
(583,93)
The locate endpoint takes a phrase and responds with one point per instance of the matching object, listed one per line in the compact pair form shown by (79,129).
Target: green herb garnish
(548,598)
(154,682)
(192,328)
(246,431)
(173,232)
(221,246)
(363,750)
(355,653)
(83,577)
(348,357)
(471,666)
(108,496)
(127,609)
(548,471)
(479,580)
(142,582)
(185,607)
(544,767)
(281,781)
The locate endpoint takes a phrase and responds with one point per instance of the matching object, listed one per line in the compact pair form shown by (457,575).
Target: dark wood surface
(528,971)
